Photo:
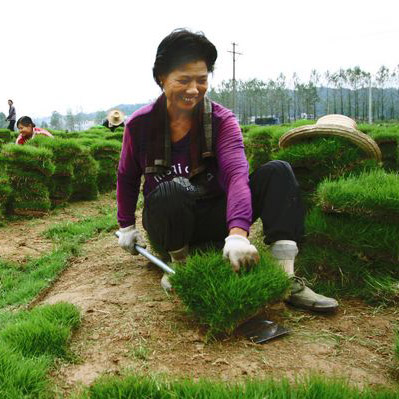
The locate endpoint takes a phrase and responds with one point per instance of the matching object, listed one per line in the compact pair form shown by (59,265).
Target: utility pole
(234,52)
(370,103)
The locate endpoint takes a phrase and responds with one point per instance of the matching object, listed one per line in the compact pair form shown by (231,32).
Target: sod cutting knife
(258,330)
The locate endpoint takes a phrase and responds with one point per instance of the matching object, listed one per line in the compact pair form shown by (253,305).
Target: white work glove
(128,237)
(239,251)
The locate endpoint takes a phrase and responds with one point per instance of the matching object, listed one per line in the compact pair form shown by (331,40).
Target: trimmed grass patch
(313,387)
(222,299)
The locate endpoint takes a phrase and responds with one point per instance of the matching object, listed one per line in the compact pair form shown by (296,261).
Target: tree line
(346,92)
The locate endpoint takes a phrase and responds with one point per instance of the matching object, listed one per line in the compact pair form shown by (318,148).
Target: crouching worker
(28,130)
(197,187)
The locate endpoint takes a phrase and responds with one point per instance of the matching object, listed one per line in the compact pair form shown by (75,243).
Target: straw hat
(330,126)
(115,117)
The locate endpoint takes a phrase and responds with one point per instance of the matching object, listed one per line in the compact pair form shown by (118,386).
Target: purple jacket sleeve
(128,182)
(234,173)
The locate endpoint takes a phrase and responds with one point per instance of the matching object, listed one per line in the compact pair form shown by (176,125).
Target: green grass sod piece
(60,189)
(28,158)
(36,337)
(319,158)
(29,343)
(222,299)
(64,151)
(20,284)
(107,153)
(258,146)
(5,196)
(115,136)
(107,174)
(5,136)
(108,149)
(85,177)
(313,387)
(22,377)
(369,237)
(337,272)
(80,232)
(387,138)
(86,142)
(371,194)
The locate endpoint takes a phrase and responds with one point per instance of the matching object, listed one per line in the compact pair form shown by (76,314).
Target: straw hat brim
(365,142)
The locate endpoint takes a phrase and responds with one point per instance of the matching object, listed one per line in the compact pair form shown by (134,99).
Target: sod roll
(222,299)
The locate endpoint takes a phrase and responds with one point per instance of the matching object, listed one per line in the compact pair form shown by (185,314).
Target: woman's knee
(276,166)
(168,197)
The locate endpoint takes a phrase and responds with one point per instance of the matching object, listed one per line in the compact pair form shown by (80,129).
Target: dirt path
(130,324)
(23,239)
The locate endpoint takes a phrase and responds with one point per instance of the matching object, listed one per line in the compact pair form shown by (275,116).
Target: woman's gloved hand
(239,251)
(129,237)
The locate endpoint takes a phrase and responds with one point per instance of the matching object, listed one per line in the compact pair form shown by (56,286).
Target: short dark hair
(182,46)
(25,121)
(12,102)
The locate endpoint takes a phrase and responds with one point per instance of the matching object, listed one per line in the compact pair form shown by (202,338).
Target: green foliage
(314,387)
(220,298)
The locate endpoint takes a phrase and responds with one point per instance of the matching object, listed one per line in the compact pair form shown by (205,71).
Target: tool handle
(151,257)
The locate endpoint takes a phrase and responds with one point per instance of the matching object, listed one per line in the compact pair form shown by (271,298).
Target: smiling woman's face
(185,86)
(25,131)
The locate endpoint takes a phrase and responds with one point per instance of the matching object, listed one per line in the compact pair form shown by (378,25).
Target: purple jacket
(232,171)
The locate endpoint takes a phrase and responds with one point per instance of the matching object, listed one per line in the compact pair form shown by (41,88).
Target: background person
(115,118)
(28,130)
(197,188)
(12,116)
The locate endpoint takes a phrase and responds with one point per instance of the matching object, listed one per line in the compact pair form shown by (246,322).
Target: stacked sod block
(315,159)
(5,194)
(85,175)
(387,138)
(356,223)
(115,136)
(258,144)
(5,136)
(29,169)
(221,299)
(65,152)
(107,153)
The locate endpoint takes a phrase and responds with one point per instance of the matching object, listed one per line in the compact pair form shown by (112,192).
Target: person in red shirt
(28,130)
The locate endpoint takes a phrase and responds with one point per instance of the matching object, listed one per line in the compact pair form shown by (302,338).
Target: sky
(90,55)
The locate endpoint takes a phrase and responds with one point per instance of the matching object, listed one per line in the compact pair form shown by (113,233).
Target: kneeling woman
(28,130)
(197,188)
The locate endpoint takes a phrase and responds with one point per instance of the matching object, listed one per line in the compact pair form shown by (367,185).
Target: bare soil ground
(130,325)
